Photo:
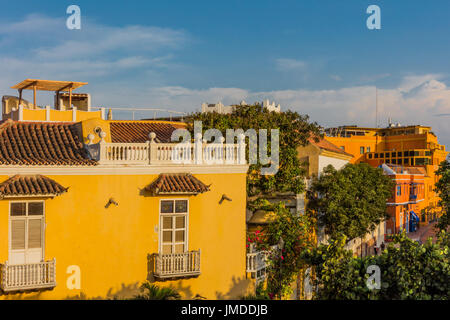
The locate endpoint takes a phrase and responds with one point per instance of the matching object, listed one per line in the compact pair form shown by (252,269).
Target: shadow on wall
(239,288)
(125,292)
(26,295)
(185,291)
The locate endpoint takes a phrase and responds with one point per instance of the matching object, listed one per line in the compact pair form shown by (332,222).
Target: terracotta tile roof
(138,131)
(30,185)
(176,183)
(327,145)
(41,143)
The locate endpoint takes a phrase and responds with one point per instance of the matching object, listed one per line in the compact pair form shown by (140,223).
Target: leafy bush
(153,292)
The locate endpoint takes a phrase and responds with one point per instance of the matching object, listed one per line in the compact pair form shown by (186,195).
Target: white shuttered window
(173,226)
(26,232)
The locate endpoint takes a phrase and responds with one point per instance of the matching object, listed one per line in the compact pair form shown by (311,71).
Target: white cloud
(335,77)
(42,47)
(375,77)
(95,40)
(32,24)
(353,105)
(100,54)
(284,64)
(412,81)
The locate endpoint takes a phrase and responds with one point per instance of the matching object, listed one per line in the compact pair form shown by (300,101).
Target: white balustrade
(177,264)
(257,262)
(167,153)
(28,276)
(124,153)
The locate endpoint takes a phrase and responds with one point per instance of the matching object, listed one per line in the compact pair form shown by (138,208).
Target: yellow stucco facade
(111,246)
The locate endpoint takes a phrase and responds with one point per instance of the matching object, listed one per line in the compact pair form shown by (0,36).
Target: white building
(220,108)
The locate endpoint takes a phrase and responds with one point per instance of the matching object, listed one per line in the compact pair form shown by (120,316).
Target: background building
(407,198)
(92,208)
(408,146)
(220,108)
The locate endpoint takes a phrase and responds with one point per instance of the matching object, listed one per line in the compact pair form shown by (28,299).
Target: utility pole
(376,118)
(376,107)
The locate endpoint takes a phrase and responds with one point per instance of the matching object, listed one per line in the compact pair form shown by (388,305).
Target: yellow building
(408,146)
(91,209)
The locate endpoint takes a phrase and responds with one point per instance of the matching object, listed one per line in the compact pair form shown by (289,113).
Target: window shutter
(34,233)
(17,234)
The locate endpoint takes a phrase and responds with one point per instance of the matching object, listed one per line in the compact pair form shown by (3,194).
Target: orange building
(407,197)
(408,146)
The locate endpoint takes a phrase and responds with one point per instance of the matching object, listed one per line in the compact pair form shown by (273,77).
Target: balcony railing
(28,276)
(150,153)
(257,262)
(175,265)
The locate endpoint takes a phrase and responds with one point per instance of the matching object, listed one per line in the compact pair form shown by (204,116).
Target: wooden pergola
(47,85)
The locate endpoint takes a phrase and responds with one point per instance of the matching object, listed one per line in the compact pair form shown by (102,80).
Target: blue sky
(315,57)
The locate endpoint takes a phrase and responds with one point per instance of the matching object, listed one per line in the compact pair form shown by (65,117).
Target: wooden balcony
(177,265)
(152,153)
(28,276)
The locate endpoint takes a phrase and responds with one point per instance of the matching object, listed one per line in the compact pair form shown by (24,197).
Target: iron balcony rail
(177,264)
(28,276)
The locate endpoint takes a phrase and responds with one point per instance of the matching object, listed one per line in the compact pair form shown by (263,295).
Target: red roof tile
(176,183)
(138,131)
(327,145)
(41,143)
(30,185)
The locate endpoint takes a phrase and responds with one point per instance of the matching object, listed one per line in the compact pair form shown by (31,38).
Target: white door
(26,232)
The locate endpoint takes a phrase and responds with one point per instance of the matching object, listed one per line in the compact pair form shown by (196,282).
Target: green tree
(297,234)
(414,271)
(153,292)
(294,129)
(442,187)
(350,201)
(340,276)
(409,270)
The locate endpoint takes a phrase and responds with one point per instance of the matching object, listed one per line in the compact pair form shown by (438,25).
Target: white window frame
(11,218)
(161,215)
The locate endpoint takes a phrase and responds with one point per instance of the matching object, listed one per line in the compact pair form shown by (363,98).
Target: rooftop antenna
(376,117)
(376,107)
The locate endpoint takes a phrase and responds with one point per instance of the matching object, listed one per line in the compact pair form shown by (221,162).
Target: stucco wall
(336,163)
(111,245)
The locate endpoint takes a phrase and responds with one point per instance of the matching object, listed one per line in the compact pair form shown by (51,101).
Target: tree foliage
(442,187)
(294,131)
(297,234)
(409,270)
(350,201)
(340,276)
(151,291)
